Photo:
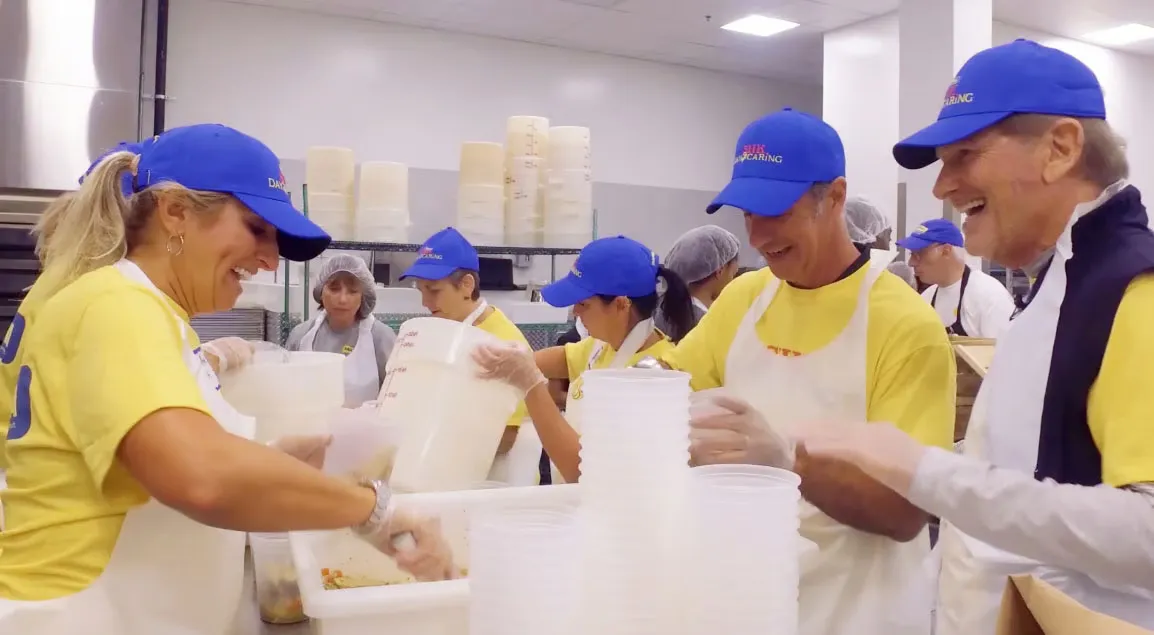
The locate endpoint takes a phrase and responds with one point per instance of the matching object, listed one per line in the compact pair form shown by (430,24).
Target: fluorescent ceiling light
(759,25)
(1121,35)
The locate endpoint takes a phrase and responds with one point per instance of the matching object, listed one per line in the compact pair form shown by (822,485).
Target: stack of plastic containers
(523,573)
(634,480)
(742,570)
(330,173)
(526,158)
(481,193)
(569,194)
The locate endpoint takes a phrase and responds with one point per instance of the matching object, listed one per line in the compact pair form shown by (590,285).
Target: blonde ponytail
(87,231)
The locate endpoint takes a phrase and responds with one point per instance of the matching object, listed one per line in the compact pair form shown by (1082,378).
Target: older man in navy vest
(1056,479)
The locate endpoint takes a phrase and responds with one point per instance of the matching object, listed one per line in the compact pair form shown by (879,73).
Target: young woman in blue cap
(131,480)
(613,288)
(446,271)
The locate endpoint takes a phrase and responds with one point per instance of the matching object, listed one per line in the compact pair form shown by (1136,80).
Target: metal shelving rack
(286,319)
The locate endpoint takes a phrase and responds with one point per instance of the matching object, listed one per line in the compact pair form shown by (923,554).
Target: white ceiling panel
(688,31)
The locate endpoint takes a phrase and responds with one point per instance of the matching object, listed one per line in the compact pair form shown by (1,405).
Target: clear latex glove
(416,543)
(229,352)
(307,448)
(725,429)
(511,363)
(881,450)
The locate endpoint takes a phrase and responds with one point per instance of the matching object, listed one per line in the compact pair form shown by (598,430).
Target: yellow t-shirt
(106,352)
(1120,404)
(500,325)
(577,358)
(910,368)
(12,355)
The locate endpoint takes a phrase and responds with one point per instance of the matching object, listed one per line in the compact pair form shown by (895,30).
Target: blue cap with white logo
(443,253)
(778,159)
(1017,78)
(936,231)
(616,266)
(216,158)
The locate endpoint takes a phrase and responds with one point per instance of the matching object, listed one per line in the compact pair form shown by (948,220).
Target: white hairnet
(702,252)
(905,272)
(348,263)
(864,220)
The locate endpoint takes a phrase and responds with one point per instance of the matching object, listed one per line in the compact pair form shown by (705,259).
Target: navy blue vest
(1112,245)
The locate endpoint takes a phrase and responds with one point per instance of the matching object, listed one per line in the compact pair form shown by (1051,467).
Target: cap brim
(920,149)
(428,270)
(565,292)
(298,238)
(760,197)
(914,243)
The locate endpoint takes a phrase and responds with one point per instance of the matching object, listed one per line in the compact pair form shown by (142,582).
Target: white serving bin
(413,608)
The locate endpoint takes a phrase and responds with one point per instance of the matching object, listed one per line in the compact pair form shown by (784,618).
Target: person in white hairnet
(868,227)
(345,290)
(706,259)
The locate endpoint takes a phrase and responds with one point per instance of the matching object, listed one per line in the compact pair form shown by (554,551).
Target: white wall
(395,93)
(860,102)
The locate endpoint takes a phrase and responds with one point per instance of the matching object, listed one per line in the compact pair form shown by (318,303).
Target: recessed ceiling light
(759,25)
(1120,35)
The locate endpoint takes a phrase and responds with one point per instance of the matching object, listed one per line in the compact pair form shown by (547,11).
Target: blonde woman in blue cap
(1057,476)
(131,480)
(613,288)
(447,274)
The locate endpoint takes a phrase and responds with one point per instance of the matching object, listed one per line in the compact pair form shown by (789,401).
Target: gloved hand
(725,429)
(511,363)
(426,555)
(881,450)
(307,448)
(228,352)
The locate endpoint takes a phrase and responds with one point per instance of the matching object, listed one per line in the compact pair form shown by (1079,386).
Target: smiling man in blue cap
(969,301)
(1058,476)
(824,332)
(447,274)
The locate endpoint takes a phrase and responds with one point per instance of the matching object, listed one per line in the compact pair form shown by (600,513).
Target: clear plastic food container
(277,593)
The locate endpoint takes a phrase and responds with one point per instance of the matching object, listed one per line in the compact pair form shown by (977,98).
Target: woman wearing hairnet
(868,227)
(344,288)
(706,259)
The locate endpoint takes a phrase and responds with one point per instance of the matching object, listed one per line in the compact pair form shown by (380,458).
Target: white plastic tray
(415,608)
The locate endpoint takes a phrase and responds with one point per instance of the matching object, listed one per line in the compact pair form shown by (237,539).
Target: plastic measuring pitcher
(452,420)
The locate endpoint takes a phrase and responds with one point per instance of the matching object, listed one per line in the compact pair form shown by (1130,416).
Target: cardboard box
(1033,607)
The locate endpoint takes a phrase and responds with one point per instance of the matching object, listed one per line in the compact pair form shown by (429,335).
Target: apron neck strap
(471,319)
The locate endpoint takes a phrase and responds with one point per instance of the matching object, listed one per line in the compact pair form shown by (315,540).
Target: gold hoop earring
(179,249)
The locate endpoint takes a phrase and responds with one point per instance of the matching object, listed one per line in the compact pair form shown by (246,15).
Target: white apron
(629,347)
(858,583)
(168,573)
(699,304)
(362,376)
(1004,429)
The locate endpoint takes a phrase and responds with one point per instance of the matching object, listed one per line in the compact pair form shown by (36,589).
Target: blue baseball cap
(443,253)
(135,147)
(1016,78)
(778,159)
(616,266)
(936,231)
(216,158)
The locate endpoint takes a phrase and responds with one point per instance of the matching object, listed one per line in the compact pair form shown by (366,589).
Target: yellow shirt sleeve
(1120,406)
(915,383)
(126,364)
(577,357)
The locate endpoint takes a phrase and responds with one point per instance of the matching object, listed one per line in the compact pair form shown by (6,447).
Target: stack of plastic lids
(524,574)
(634,480)
(481,193)
(288,393)
(329,174)
(742,570)
(526,156)
(383,205)
(568,215)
